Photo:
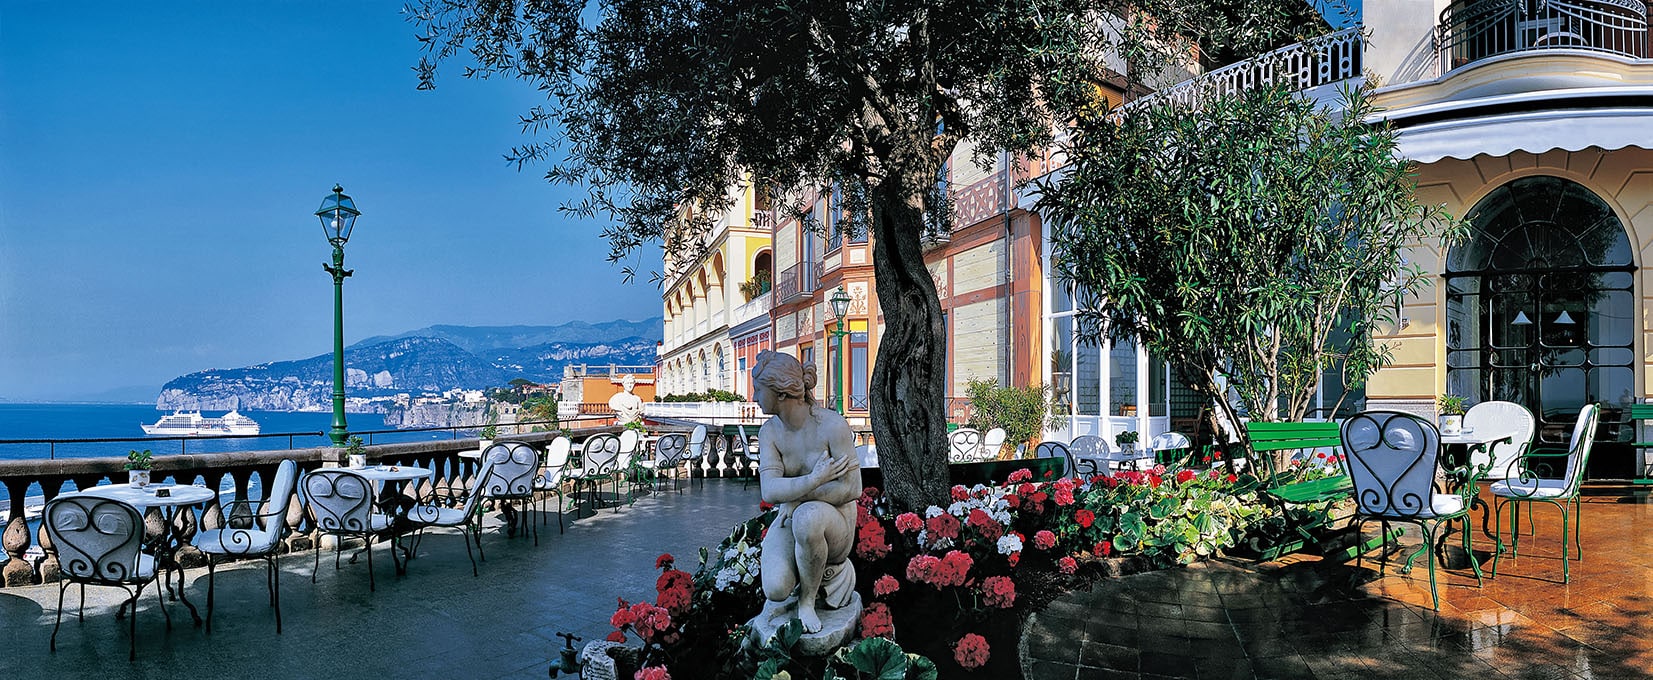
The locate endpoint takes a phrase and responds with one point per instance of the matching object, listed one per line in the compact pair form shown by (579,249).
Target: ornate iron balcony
(1472,30)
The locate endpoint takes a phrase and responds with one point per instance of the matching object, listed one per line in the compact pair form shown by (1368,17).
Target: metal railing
(1324,60)
(1472,30)
(797,280)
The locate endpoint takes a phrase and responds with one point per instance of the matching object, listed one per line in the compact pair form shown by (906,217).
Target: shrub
(1023,412)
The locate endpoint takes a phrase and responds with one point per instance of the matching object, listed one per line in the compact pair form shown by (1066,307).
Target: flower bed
(951,584)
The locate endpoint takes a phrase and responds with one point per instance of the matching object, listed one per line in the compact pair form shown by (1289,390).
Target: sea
(61,422)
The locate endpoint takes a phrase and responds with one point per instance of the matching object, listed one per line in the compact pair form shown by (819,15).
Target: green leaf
(920,668)
(880,657)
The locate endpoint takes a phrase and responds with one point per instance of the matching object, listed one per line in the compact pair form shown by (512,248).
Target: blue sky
(159,164)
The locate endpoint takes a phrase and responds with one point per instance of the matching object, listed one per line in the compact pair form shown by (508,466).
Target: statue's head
(785,376)
(628,382)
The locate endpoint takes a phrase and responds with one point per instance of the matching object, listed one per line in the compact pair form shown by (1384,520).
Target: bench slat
(1328,489)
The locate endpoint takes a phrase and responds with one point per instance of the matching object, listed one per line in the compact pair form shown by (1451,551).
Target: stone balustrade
(33,482)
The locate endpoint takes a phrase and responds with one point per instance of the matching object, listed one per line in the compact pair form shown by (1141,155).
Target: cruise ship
(191,424)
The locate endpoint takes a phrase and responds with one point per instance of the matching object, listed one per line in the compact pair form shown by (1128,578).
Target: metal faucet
(570,661)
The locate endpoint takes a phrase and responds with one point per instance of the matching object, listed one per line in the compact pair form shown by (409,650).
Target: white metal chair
(748,452)
(443,508)
(1090,454)
(1169,441)
(510,480)
(963,445)
(696,455)
(1539,480)
(1501,418)
(252,531)
(1391,460)
(991,443)
(670,451)
(1051,449)
(99,542)
(552,475)
(340,503)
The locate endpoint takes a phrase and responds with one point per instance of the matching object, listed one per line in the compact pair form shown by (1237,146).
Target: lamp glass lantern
(338,214)
(840,307)
(840,303)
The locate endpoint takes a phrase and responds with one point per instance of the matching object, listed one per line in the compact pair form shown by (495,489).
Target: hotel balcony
(1475,30)
(796,281)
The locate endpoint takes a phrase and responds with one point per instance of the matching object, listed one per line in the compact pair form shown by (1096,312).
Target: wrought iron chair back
(963,444)
(1391,459)
(340,501)
(601,451)
(98,540)
(1057,450)
(511,468)
(556,455)
(1578,450)
(1089,453)
(697,442)
(247,532)
(670,450)
(1501,418)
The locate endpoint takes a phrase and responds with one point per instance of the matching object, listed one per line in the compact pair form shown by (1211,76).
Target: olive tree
(657,109)
(1256,241)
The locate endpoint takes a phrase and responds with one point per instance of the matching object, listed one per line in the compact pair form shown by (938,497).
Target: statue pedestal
(837,625)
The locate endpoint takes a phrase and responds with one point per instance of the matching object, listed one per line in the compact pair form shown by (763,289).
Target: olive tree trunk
(908,408)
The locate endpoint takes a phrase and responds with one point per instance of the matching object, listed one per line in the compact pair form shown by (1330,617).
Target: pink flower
(998,591)
(960,493)
(1020,475)
(1064,497)
(908,522)
(954,569)
(885,585)
(616,636)
(920,568)
(971,652)
(1044,540)
(652,673)
(1084,518)
(1067,565)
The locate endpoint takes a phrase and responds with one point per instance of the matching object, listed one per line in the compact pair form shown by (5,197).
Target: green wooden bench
(1268,438)
(1638,414)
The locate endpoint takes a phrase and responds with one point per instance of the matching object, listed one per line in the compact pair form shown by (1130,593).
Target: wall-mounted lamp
(1564,318)
(1521,319)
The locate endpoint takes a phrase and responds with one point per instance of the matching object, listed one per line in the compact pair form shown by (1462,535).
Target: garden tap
(570,661)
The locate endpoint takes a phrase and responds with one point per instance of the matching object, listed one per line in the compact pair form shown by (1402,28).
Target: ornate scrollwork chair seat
(99,542)
(252,532)
(510,479)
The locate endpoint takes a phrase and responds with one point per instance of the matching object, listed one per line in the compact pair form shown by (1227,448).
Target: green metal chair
(1539,481)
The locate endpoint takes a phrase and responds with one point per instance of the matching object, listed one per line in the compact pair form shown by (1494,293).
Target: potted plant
(1451,408)
(354,454)
(488,433)
(1126,440)
(138,464)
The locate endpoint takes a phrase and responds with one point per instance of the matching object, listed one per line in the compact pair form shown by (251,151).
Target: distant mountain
(482,340)
(428,361)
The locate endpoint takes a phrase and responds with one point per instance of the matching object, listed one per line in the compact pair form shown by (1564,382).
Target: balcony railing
(763,219)
(1322,61)
(1472,30)
(796,281)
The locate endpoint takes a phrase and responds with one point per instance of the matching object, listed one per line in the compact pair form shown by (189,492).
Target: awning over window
(1531,131)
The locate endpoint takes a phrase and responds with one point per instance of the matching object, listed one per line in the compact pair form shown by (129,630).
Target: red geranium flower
(921,567)
(908,522)
(971,652)
(663,561)
(984,524)
(1084,518)
(1044,540)
(652,673)
(616,636)
(869,541)
(1186,476)
(960,493)
(998,591)
(1013,500)
(885,585)
(1232,479)
(1020,475)
(1014,557)
(1064,497)
(876,621)
(942,526)
(954,569)
(1067,565)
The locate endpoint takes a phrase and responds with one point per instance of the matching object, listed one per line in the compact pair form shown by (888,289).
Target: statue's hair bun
(809,376)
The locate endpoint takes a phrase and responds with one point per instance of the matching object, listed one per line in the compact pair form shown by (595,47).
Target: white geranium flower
(1009,543)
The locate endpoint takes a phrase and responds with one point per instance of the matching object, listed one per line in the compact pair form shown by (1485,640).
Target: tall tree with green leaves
(1255,241)
(659,106)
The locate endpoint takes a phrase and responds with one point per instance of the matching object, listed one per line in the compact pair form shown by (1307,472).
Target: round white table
(391,473)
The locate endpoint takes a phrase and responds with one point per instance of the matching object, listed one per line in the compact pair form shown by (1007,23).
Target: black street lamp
(840,307)
(338,214)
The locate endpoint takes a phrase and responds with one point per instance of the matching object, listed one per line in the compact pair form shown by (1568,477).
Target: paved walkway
(436,622)
(1308,619)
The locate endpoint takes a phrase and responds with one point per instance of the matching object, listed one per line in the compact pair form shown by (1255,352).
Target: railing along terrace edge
(1470,31)
(1328,59)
